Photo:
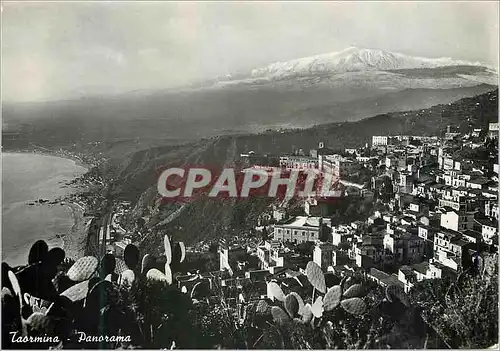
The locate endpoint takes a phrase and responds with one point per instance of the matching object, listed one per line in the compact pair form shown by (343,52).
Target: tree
(462,312)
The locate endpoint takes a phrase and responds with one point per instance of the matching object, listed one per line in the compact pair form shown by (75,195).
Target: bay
(26,178)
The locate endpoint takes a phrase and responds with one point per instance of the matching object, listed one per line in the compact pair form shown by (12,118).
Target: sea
(26,178)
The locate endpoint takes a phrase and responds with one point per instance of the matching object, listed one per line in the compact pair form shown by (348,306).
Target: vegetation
(152,308)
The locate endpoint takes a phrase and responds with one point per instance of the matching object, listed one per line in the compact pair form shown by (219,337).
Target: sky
(61,50)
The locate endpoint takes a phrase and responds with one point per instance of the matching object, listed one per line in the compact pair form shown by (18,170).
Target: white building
(493,130)
(301,229)
(409,275)
(338,166)
(379,140)
(489,230)
(298,162)
(457,220)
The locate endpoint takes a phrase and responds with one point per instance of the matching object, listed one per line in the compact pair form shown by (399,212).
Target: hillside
(207,218)
(123,124)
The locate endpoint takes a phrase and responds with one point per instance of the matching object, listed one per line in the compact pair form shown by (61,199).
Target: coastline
(73,242)
(73,158)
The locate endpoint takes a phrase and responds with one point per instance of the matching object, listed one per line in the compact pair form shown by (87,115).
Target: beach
(28,178)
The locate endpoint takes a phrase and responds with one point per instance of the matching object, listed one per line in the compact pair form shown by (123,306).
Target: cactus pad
(120,266)
(127,277)
(276,291)
(315,276)
(317,307)
(155,274)
(146,260)
(55,256)
(332,298)
(168,273)
(354,305)
(101,295)
(38,321)
(108,264)
(299,300)
(168,249)
(280,316)
(183,251)
(83,268)
(131,256)
(262,306)
(38,252)
(291,305)
(77,292)
(307,314)
(356,290)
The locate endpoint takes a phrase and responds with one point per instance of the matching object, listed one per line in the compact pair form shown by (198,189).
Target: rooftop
(303,221)
(421,267)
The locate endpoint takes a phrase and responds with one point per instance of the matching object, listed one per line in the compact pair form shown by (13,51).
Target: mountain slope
(130,123)
(210,218)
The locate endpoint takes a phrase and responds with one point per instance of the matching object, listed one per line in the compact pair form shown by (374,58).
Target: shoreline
(73,158)
(73,242)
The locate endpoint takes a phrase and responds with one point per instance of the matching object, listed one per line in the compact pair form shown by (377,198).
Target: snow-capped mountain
(353,59)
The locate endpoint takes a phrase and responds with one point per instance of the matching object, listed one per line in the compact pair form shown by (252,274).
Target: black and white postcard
(249,175)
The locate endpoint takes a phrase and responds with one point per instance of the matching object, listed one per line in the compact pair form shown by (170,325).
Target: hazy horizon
(59,51)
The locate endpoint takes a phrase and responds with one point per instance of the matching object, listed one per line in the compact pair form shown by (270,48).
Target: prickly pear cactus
(299,300)
(120,266)
(355,290)
(168,274)
(354,305)
(77,292)
(262,306)
(108,264)
(131,256)
(315,276)
(127,278)
(155,274)
(38,252)
(100,295)
(280,316)
(168,249)
(275,291)
(317,307)
(83,268)
(332,298)
(146,259)
(39,322)
(183,251)
(291,305)
(307,314)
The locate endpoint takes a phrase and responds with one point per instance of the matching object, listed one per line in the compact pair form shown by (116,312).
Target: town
(418,207)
